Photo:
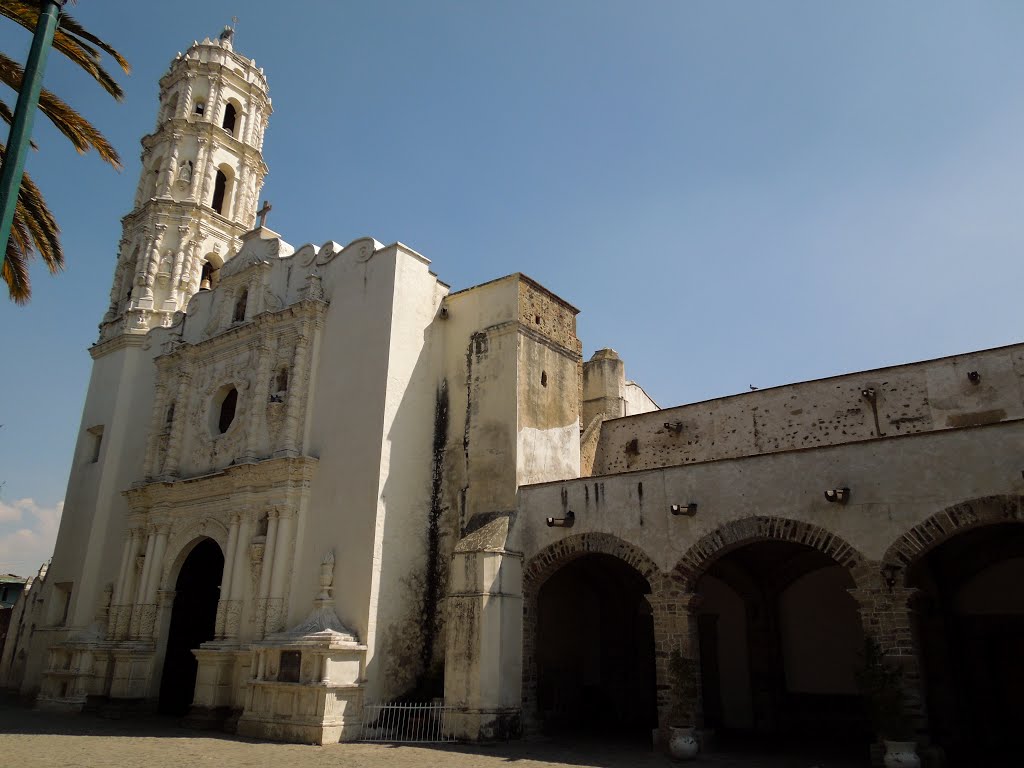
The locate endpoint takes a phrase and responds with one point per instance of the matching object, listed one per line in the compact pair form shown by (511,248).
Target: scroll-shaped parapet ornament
(326,576)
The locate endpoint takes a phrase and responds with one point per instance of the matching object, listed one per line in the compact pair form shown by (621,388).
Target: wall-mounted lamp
(837,495)
(974,377)
(890,572)
(443,314)
(868,393)
(674,426)
(684,509)
(562,522)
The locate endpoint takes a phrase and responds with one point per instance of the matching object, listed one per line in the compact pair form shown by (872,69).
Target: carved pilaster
(260,396)
(155,420)
(172,458)
(170,167)
(180,258)
(293,427)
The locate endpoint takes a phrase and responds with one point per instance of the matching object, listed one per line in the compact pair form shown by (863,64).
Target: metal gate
(406,723)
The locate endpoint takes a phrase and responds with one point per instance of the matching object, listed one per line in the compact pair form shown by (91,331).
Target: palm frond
(34,230)
(8,117)
(82,134)
(68,39)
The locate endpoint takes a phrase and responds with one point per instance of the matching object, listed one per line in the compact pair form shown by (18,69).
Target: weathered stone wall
(908,399)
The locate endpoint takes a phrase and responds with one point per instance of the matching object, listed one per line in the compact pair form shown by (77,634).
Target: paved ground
(30,739)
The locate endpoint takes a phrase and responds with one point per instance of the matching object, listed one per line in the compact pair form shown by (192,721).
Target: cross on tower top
(262,213)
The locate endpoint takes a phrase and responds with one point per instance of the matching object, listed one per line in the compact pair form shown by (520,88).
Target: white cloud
(28,532)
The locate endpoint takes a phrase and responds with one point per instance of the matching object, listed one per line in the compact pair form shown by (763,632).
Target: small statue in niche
(185,172)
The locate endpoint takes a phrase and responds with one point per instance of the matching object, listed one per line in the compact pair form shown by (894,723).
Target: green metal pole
(24,113)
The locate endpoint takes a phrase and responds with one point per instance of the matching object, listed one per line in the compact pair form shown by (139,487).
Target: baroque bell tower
(202,171)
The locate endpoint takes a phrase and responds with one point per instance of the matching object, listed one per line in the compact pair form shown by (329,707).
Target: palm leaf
(33,231)
(76,128)
(66,40)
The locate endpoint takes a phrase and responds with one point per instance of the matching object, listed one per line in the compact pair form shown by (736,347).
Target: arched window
(281,382)
(220,187)
(230,114)
(227,410)
(240,305)
(199,108)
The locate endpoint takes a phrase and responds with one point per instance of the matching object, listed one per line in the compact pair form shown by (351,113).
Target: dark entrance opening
(971,630)
(780,641)
(192,623)
(595,651)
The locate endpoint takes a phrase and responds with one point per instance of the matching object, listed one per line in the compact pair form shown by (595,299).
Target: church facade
(308,479)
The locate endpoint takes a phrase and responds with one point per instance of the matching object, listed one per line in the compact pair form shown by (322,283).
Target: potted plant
(882,688)
(682,674)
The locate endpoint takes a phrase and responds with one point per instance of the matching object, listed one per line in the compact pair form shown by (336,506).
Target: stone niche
(307,684)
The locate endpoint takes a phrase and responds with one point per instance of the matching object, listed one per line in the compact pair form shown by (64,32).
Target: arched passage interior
(193,617)
(595,650)
(780,640)
(970,619)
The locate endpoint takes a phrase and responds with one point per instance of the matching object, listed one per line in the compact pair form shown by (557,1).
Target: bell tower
(202,171)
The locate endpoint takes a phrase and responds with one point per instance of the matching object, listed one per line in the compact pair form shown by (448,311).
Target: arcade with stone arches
(775,612)
(763,604)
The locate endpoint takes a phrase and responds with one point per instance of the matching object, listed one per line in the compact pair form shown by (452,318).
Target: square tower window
(95,442)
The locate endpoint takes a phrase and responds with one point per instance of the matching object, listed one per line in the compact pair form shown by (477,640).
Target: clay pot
(682,744)
(901,754)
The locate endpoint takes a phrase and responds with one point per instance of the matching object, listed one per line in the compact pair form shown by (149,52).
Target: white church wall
(349,400)
(406,589)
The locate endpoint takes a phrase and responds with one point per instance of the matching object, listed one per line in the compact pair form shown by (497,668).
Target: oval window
(227,410)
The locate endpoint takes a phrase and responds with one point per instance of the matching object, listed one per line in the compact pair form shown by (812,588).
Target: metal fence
(407,723)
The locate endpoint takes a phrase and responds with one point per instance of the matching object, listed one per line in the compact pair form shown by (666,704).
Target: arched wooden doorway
(193,617)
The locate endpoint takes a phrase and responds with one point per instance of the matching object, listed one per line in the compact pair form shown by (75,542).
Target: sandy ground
(31,739)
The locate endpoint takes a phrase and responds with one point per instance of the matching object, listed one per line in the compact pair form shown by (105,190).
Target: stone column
(265,572)
(148,623)
(236,596)
(199,171)
(279,574)
(213,103)
(180,262)
(185,105)
(241,193)
(228,573)
(121,600)
(888,616)
(148,246)
(141,583)
(674,610)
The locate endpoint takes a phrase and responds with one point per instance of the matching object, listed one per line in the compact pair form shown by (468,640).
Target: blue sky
(733,193)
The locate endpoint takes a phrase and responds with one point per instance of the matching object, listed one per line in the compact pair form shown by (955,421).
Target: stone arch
(538,569)
(183,541)
(541,566)
(737,533)
(947,523)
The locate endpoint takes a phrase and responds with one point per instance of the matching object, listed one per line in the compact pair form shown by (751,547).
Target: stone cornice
(269,477)
(121,341)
